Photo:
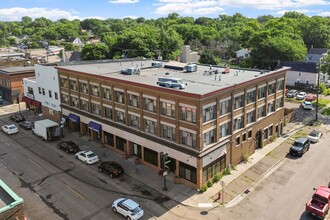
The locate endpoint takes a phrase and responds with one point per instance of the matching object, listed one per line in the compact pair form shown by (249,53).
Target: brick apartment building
(204,128)
(11,79)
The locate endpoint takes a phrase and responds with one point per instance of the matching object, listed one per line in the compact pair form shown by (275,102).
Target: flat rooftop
(8,198)
(201,82)
(16,69)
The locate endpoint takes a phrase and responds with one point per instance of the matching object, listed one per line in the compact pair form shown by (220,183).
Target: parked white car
(307,105)
(10,129)
(128,208)
(315,136)
(301,95)
(87,156)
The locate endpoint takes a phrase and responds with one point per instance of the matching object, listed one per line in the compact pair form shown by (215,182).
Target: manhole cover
(204,212)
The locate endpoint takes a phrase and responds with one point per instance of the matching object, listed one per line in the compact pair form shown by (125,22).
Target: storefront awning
(36,103)
(74,118)
(27,100)
(95,126)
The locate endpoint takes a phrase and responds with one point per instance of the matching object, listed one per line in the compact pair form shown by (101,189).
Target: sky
(14,10)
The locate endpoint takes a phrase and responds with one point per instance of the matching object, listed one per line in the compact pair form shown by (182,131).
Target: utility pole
(317,92)
(165,161)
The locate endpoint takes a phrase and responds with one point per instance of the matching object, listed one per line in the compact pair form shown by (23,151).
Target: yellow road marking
(73,190)
(35,163)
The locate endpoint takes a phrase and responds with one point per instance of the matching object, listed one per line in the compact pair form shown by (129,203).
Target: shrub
(217,177)
(203,188)
(245,157)
(227,171)
(209,183)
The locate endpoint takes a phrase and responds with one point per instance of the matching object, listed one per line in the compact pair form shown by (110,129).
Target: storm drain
(247,191)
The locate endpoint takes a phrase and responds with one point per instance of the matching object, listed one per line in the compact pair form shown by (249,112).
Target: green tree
(94,52)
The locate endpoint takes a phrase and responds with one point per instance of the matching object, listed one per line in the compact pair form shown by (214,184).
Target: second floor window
(188,139)
(107,112)
(56,95)
(65,98)
(209,137)
(225,129)
(150,126)
(74,101)
(271,107)
(279,102)
(238,123)
(96,109)
(168,109)
(64,83)
(280,85)
(120,116)
(50,94)
(30,90)
(168,132)
(134,121)
(188,114)
(84,105)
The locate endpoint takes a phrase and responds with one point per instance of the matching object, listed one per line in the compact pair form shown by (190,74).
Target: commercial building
(41,92)
(11,84)
(211,123)
(11,205)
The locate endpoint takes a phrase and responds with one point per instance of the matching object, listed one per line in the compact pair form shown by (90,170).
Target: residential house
(302,74)
(76,41)
(314,54)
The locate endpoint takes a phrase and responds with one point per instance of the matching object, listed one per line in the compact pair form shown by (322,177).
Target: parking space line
(74,191)
(35,163)
(4,141)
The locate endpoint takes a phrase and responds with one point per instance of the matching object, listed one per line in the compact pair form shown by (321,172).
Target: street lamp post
(317,93)
(164,157)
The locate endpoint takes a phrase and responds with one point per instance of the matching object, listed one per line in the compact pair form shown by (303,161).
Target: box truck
(46,129)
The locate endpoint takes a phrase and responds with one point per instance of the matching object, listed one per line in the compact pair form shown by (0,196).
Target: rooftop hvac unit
(191,68)
(156,64)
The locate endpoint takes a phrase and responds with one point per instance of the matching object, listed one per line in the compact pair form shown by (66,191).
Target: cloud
(187,7)
(123,1)
(325,14)
(198,7)
(16,14)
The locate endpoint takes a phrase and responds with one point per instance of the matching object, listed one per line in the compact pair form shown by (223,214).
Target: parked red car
(310,97)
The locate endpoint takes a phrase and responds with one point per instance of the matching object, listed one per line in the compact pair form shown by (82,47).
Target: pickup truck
(320,202)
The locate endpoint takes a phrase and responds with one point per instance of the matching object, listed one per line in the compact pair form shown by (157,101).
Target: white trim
(118,90)
(150,119)
(225,99)
(83,81)
(64,77)
(209,129)
(188,106)
(108,106)
(104,86)
(133,93)
(65,93)
(251,111)
(261,86)
(250,90)
(95,102)
(72,78)
(119,109)
(280,79)
(225,122)
(75,96)
(94,84)
(85,99)
(209,105)
(238,94)
(167,124)
(135,114)
(167,101)
(274,81)
(187,130)
(149,97)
